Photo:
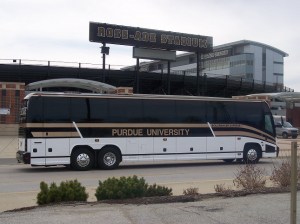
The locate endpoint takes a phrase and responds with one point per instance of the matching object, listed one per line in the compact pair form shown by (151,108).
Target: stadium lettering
(151,37)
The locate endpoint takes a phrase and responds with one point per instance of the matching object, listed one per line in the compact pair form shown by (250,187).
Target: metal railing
(58,64)
(192,72)
(188,72)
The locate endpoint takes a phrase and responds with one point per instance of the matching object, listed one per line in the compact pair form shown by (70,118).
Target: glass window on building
(249,76)
(219,63)
(250,62)
(226,62)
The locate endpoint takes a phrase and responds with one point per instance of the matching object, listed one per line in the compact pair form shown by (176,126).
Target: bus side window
(98,110)
(35,110)
(220,112)
(249,114)
(125,111)
(268,123)
(188,111)
(159,111)
(80,111)
(57,110)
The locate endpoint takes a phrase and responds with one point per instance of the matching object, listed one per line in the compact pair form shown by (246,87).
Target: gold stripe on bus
(114,125)
(37,134)
(241,126)
(54,134)
(242,133)
(48,125)
(139,125)
(257,130)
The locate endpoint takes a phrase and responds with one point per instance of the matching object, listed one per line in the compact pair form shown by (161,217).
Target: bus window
(57,110)
(98,110)
(125,111)
(249,114)
(190,111)
(80,110)
(268,123)
(220,112)
(35,110)
(159,111)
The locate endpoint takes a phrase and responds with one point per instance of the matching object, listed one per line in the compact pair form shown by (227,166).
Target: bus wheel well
(250,149)
(82,147)
(112,146)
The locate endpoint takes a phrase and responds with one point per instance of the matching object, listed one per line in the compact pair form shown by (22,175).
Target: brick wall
(296,115)
(11,95)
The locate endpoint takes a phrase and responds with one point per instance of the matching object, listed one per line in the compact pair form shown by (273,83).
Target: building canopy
(94,86)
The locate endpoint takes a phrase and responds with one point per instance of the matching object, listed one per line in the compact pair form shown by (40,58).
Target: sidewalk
(8,146)
(265,208)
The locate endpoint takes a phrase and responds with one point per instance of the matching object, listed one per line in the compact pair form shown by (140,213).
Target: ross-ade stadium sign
(148,38)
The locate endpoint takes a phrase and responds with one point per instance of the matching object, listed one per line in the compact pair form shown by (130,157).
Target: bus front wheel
(251,154)
(82,159)
(109,158)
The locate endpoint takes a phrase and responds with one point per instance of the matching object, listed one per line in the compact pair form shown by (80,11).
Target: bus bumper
(23,157)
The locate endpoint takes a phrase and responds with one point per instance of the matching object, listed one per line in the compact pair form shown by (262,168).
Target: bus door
(164,148)
(139,149)
(132,150)
(57,151)
(146,149)
(38,153)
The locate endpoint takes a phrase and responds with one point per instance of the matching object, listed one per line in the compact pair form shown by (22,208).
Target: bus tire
(252,154)
(109,158)
(82,159)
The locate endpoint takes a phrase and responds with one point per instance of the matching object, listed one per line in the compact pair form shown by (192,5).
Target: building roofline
(240,42)
(244,42)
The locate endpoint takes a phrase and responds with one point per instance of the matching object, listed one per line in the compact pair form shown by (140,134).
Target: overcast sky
(58,30)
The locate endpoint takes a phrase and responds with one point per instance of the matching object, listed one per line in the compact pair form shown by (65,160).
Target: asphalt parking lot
(268,208)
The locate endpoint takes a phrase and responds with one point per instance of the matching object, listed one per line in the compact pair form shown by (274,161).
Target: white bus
(89,130)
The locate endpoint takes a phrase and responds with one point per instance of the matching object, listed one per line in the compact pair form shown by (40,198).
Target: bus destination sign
(148,38)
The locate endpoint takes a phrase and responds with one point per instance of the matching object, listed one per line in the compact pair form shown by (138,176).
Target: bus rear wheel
(251,154)
(109,158)
(82,159)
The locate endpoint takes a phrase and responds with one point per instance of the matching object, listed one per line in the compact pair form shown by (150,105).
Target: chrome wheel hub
(83,160)
(109,159)
(252,155)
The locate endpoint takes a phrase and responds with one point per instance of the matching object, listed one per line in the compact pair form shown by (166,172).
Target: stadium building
(244,59)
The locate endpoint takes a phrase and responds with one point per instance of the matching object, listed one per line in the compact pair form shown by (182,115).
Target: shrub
(67,191)
(114,188)
(281,174)
(191,191)
(156,190)
(219,188)
(250,177)
(129,187)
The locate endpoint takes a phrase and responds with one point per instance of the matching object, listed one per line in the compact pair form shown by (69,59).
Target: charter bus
(89,130)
